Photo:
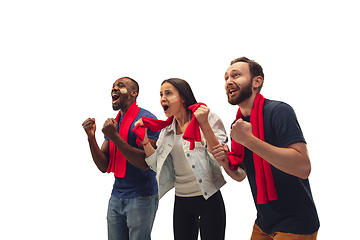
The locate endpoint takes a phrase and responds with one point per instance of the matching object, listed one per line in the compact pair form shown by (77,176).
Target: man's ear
(257,81)
(134,93)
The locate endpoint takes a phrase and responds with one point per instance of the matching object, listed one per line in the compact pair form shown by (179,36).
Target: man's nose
(229,82)
(115,88)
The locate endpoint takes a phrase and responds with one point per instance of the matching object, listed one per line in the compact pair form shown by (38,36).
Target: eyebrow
(232,70)
(119,83)
(166,90)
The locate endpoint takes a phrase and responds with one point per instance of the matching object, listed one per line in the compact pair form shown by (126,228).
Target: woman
(195,174)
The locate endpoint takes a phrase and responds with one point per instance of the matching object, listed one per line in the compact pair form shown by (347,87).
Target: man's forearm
(293,159)
(100,159)
(237,175)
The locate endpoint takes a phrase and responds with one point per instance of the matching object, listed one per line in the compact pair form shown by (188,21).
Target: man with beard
(268,141)
(134,198)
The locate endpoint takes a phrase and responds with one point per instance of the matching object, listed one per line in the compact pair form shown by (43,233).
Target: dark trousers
(194,213)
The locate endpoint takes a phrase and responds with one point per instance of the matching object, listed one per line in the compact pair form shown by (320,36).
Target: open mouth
(232,91)
(115,98)
(166,107)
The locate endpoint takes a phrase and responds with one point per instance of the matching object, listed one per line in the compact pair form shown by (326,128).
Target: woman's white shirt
(206,169)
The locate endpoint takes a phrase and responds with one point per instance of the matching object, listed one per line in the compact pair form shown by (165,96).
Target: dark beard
(245,93)
(123,98)
(118,106)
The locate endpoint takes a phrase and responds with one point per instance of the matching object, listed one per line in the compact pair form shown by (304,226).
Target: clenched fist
(89,127)
(241,131)
(110,128)
(201,114)
(220,153)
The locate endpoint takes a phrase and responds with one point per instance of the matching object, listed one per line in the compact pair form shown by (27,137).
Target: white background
(59,60)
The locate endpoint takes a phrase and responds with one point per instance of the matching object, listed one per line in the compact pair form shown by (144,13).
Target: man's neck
(246,105)
(125,108)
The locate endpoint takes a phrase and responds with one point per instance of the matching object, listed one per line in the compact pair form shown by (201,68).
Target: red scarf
(191,134)
(117,162)
(266,190)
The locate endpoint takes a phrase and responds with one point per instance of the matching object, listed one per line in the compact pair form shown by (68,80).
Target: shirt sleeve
(285,124)
(151,161)
(151,134)
(218,128)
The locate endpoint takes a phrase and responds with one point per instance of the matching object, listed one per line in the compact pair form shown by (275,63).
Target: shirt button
(193,166)
(205,193)
(200,181)
(188,154)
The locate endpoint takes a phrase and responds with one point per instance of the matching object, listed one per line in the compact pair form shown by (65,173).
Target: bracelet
(146,143)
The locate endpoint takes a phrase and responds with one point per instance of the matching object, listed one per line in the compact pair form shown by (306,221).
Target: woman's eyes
(166,93)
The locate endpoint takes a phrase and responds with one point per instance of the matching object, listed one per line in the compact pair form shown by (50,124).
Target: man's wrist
(113,136)
(91,137)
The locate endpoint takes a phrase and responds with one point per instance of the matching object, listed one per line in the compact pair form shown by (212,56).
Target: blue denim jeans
(131,219)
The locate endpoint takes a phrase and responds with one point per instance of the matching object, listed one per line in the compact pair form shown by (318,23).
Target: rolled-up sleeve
(151,161)
(218,128)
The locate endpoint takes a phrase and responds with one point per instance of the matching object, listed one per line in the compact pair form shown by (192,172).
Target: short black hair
(136,87)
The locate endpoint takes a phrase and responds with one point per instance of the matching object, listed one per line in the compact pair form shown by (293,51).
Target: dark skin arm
(135,156)
(100,156)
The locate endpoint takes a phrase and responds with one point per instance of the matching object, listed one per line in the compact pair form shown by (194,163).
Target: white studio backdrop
(59,60)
